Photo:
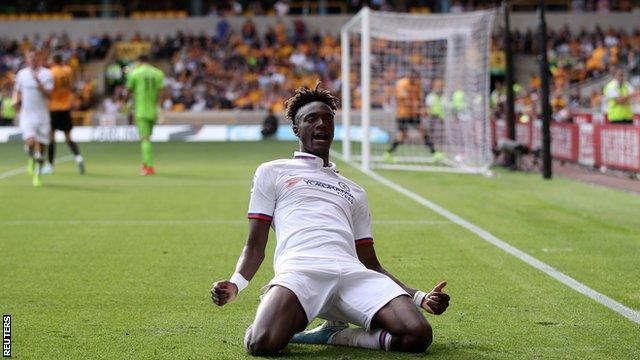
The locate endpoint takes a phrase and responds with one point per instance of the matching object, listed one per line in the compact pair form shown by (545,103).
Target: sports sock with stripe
(359,337)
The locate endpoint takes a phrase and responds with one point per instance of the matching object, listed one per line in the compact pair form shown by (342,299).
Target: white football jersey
(35,106)
(315,211)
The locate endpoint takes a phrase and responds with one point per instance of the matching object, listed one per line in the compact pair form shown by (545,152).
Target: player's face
(314,127)
(30,60)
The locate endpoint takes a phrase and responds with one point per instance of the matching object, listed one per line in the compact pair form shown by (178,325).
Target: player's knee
(263,343)
(417,337)
(416,344)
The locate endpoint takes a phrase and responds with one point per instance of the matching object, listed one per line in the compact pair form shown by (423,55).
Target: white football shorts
(337,290)
(36,128)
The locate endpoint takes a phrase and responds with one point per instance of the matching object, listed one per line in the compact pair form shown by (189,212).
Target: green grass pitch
(112,265)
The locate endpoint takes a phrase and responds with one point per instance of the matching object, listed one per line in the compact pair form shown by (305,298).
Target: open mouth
(320,137)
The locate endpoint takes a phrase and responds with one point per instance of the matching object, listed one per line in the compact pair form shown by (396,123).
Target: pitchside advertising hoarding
(189,133)
(586,143)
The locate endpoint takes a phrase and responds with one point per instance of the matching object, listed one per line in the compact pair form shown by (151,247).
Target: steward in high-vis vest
(7,111)
(618,94)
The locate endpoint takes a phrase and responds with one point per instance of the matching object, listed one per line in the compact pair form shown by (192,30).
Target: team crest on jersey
(343,186)
(292,182)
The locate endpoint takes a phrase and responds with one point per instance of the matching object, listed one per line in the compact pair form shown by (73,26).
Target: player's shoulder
(135,71)
(273,166)
(352,185)
(21,72)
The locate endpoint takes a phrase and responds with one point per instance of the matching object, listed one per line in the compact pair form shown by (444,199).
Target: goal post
(415,91)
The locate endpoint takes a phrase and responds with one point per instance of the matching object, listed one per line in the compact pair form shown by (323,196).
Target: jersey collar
(312,159)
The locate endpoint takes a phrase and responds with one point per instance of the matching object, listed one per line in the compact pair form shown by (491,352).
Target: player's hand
(223,292)
(436,301)
(35,76)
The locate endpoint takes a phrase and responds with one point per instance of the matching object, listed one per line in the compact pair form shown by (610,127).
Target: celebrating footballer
(325,262)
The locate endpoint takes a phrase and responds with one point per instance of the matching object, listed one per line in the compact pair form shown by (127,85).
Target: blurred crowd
(574,59)
(244,70)
(247,69)
(74,53)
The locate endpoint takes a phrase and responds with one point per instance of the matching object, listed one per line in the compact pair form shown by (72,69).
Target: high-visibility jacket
(618,112)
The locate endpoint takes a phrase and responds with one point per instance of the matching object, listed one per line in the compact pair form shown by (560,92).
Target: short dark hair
(57,58)
(303,96)
(143,58)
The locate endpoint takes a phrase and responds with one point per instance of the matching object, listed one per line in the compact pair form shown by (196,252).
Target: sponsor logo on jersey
(292,182)
(337,190)
(343,186)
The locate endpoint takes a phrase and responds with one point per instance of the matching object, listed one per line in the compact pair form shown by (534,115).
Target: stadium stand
(250,69)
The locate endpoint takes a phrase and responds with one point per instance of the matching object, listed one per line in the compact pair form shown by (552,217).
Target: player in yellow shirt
(60,108)
(409,109)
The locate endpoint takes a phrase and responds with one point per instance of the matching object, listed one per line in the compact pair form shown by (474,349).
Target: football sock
(74,148)
(145,146)
(394,146)
(39,162)
(51,152)
(359,337)
(429,143)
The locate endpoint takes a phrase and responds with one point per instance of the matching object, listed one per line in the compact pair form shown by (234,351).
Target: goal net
(415,92)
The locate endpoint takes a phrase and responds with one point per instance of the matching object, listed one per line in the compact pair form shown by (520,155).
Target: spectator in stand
(112,105)
(575,100)
(595,101)
(618,94)
(456,7)
(577,5)
(7,111)
(269,125)
(603,6)
(281,7)
(560,111)
(114,76)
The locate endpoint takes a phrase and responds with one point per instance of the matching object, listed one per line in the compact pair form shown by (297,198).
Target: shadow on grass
(449,350)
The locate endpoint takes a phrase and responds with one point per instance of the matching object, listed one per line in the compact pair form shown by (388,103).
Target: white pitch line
(583,289)
(23,169)
(189,222)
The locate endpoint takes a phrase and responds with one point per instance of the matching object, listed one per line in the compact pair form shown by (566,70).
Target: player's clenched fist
(436,301)
(223,292)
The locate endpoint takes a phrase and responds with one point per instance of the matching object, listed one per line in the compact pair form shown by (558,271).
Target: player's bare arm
(41,88)
(17,99)
(435,302)
(249,262)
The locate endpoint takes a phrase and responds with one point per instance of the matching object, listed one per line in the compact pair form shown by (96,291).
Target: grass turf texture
(114,265)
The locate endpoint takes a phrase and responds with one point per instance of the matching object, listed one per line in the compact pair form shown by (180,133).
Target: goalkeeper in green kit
(145,81)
